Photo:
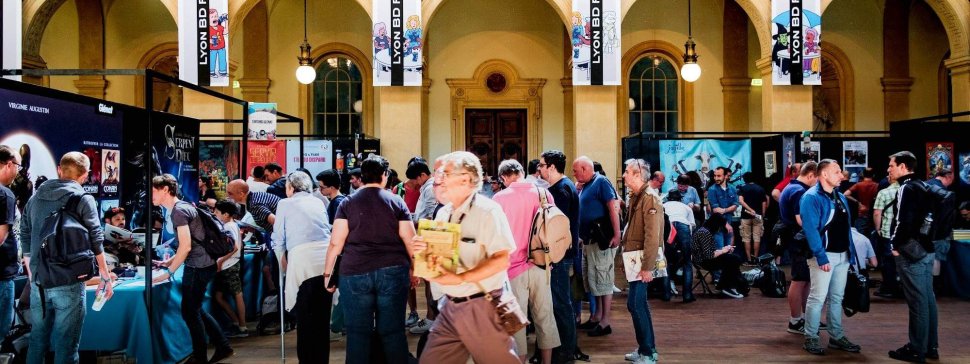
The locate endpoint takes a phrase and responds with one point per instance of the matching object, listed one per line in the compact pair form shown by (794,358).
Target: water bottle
(927,225)
(99,299)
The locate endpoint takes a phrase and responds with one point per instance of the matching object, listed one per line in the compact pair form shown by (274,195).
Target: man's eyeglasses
(541,165)
(439,175)
(19,166)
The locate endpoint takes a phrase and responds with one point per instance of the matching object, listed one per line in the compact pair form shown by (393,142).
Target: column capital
(255,89)
(764,65)
(92,86)
(896,84)
(735,84)
(958,65)
(566,83)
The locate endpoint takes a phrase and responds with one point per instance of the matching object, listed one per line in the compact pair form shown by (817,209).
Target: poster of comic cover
(965,168)
(204,42)
(595,35)
(811,151)
(398,42)
(110,172)
(262,121)
(219,159)
(703,156)
(796,33)
(939,155)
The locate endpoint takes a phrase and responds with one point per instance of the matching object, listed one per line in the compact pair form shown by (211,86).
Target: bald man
(599,226)
(261,205)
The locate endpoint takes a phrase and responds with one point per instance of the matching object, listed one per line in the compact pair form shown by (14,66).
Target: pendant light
(305,73)
(691,71)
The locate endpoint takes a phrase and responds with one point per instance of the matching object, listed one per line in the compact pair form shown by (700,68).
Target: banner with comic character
(398,42)
(796,32)
(204,42)
(595,35)
(679,157)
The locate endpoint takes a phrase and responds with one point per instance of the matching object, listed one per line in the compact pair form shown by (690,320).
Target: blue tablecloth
(956,269)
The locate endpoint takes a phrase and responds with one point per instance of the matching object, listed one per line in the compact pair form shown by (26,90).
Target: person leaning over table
(199,270)
(468,324)
(301,235)
(373,231)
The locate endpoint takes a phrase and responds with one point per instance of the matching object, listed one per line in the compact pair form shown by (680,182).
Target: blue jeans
(722,239)
(824,285)
(917,282)
(195,281)
(57,320)
(684,243)
(578,274)
(377,297)
(218,58)
(636,303)
(6,305)
(562,308)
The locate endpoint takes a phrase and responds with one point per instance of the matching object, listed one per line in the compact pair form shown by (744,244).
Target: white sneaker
(616,290)
(335,336)
(673,289)
(732,293)
(634,356)
(422,327)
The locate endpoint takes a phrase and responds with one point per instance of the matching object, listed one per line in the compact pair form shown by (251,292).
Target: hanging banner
(596,42)
(262,121)
(220,161)
(11,22)
(317,155)
(260,152)
(939,156)
(398,42)
(175,149)
(678,157)
(204,42)
(796,29)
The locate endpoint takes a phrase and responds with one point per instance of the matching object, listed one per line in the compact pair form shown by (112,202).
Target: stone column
(401,124)
(595,125)
(784,108)
(90,47)
(896,82)
(736,85)
(255,81)
(569,122)
(960,78)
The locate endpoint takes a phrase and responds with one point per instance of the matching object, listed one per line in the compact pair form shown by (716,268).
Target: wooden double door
(495,135)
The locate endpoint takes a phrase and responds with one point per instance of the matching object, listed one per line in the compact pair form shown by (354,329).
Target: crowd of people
(346,250)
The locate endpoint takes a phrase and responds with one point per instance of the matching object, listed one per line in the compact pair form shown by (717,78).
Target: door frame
(519,93)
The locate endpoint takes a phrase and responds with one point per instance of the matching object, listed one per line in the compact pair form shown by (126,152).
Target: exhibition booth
(127,146)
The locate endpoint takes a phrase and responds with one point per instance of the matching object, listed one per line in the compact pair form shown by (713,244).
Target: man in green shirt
(882,216)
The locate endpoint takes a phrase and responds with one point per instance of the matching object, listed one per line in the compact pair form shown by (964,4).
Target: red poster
(265,151)
(939,155)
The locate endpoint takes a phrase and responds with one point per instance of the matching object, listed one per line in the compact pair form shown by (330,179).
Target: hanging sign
(596,42)
(204,42)
(317,155)
(262,121)
(796,29)
(398,43)
(10,41)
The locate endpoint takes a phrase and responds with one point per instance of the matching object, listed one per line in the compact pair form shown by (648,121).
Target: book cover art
(442,239)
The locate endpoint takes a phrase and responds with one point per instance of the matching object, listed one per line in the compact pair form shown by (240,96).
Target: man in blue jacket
(826,222)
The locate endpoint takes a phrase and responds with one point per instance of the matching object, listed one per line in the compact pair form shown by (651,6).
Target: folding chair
(700,279)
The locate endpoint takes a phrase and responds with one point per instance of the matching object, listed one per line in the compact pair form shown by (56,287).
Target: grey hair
(642,165)
(466,162)
(299,181)
(510,167)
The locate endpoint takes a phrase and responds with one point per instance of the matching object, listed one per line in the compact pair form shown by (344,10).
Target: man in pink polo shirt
(520,201)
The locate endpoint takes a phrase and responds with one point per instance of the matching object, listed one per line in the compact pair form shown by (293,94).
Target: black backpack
(217,241)
(65,248)
(943,210)
(772,282)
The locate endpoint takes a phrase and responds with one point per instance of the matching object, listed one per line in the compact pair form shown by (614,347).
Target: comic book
(442,238)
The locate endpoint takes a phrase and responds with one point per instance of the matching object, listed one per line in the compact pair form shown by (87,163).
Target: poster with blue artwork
(965,167)
(702,156)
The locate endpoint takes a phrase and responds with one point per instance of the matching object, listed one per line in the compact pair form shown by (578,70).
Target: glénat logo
(106,109)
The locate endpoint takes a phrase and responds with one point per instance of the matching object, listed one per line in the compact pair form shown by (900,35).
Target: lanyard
(462,216)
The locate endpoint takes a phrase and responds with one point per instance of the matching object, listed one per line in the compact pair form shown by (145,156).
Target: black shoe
(580,355)
(601,331)
(844,344)
(933,353)
(906,353)
(588,325)
(813,347)
(797,328)
(221,354)
(689,299)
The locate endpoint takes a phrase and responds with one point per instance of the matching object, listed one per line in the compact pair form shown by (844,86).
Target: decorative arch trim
(843,67)
(319,54)
(520,93)
(429,8)
(685,90)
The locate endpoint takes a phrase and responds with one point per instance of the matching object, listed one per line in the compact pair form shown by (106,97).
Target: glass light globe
(358,105)
(690,72)
(633,104)
(306,74)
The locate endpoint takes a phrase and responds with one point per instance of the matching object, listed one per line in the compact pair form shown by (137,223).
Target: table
(956,269)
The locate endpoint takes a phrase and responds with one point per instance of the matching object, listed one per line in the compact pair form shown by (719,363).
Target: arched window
(337,97)
(653,95)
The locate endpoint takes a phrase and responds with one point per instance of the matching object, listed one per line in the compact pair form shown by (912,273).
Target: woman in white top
(468,324)
(682,218)
(301,236)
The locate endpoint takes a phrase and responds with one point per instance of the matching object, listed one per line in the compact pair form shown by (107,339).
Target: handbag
(912,250)
(510,315)
(601,232)
(856,298)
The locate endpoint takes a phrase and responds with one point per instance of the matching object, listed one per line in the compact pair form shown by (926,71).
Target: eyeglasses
(19,166)
(541,165)
(439,175)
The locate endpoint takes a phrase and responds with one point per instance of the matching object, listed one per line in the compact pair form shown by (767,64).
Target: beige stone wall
(464,34)
(59,48)
(926,51)
(856,28)
(754,99)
